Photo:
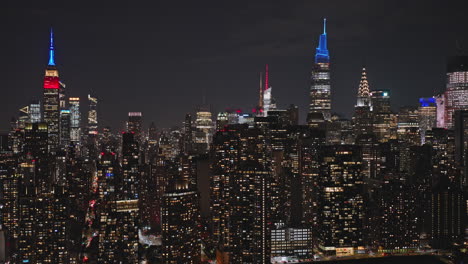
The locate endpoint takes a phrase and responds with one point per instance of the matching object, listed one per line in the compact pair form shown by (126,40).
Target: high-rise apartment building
(180,222)
(341,200)
(240,192)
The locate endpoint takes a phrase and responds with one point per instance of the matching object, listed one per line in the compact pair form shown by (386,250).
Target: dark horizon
(161,59)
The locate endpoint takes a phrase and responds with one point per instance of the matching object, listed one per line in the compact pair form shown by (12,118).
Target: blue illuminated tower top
(321,53)
(51,49)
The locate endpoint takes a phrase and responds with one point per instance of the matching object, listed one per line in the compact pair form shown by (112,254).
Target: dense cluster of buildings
(236,187)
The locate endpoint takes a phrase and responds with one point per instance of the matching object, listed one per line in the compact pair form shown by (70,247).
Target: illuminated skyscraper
(188,134)
(117,207)
(461,143)
(180,221)
(268,100)
(382,114)
(427,113)
(51,99)
(75,120)
(320,91)
(362,111)
(456,93)
(64,128)
(241,192)
(204,130)
(134,125)
(341,200)
(92,116)
(92,129)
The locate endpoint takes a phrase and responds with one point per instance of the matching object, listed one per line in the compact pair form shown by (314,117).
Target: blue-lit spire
(51,49)
(321,53)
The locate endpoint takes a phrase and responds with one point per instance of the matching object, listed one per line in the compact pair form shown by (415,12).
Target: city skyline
(157,163)
(225,68)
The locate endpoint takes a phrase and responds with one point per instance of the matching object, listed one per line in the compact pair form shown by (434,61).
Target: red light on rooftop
(102,153)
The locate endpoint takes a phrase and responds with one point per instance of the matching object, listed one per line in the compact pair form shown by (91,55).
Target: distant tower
(362,111)
(260,96)
(204,130)
(51,99)
(92,116)
(188,131)
(92,128)
(320,92)
(268,100)
(456,93)
(75,119)
(134,124)
(427,116)
(364,91)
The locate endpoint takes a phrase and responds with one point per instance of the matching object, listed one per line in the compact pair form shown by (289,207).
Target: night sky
(162,57)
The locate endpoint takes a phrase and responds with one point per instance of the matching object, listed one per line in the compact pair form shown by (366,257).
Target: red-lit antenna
(266,77)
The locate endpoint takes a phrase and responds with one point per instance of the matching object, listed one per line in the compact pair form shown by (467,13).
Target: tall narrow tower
(362,117)
(51,99)
(268,100)
(320,93)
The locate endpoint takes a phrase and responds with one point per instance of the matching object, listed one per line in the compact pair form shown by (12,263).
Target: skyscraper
(427,113)
(134,125)
(461,143)
(456,93)
(64,128)
(204,130)
(341,200)
(92,129)
(320,91)
(51,99)
(92,115)
(75,120)
(362,111)
(268,100)
(382,114)
(241,194)
(180,221)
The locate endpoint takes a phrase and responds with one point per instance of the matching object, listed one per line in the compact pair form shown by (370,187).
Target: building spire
(363,85)
(325,26)
(51,49)
(260,92)
(363,96)
(321,53)
(266,77)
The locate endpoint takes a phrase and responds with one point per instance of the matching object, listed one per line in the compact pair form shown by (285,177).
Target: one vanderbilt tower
(320,92)
(51,99)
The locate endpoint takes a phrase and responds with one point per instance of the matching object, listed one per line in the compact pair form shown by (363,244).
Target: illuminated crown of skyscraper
(51,49)
(364,90)
(321,53)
